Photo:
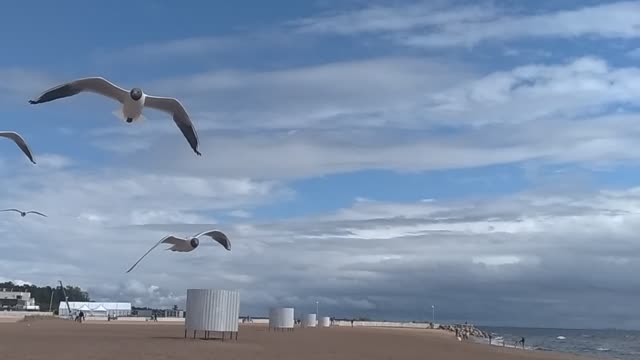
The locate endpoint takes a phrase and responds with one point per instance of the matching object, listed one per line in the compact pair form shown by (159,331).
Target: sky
(378,157)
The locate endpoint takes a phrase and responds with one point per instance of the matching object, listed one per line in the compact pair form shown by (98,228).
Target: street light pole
(51,300)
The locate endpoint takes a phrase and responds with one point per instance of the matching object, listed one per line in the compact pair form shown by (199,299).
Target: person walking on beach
(522,341)
(490,337)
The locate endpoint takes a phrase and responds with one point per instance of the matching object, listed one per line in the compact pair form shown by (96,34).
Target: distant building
(159,313)
(173,313)
(95,309)
(17,300)
(143,313)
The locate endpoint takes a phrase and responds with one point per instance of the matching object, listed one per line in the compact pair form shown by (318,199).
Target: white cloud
(53,161)
(17,282)
(121,197)
(377,18)
(316,95)
(240,214)
(538,244)
(378,113)
(424,24)
(582,87)
(178,47)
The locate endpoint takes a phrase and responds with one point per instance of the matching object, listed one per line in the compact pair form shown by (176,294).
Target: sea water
(600,344)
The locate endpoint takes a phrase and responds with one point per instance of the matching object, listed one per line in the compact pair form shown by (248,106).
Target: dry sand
(67,340)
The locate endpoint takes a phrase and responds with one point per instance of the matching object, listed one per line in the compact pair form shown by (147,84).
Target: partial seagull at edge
(190,244)
(24,213)
(133,102)
(19,140)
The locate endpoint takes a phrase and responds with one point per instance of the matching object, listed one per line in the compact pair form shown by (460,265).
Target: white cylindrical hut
(326,321)
(281,318)
(212,310)
(309,320)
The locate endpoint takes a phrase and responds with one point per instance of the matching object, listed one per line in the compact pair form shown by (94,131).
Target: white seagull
(24,213)
(133,102)
(19,141)
(186,245)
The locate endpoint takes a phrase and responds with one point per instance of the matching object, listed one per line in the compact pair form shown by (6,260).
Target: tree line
(42,295)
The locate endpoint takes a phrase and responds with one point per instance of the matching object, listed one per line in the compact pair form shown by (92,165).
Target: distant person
(490,338)
(522,341)
(351,322)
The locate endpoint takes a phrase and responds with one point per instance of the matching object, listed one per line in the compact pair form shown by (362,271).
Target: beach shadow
(170,337)
(185,339)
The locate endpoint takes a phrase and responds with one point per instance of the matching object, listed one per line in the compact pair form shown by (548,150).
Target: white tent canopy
(95,308)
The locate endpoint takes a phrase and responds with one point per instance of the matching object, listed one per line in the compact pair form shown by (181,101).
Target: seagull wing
(167,240)
(218,236)
(173,240)
(36,212)
(16,210)
(97,85)
(180,117)
(20,142)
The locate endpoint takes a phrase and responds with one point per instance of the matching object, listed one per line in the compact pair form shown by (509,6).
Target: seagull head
(136,94)
(194,242)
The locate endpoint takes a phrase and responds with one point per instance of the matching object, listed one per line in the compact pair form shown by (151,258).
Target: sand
(67,340)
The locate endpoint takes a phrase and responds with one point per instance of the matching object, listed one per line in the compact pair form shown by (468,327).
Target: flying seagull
(19,141)
(133,102)
(186,245)
(24,213)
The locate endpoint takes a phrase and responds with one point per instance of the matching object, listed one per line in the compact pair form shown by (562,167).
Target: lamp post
(51,300)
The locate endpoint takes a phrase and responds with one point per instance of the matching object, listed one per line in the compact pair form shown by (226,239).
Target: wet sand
(67,340)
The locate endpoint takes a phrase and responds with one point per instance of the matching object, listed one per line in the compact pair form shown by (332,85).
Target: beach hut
(212,310)
(281,319)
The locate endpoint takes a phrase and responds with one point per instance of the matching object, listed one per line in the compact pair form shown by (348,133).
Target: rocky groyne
(465,330)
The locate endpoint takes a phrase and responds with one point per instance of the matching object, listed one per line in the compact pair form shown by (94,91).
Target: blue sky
(443,147)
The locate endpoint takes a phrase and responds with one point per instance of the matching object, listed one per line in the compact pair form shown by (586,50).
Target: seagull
(19,141)
(186,245)
(133,102)
(24,213)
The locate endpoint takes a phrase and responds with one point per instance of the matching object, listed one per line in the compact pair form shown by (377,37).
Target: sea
(599,344)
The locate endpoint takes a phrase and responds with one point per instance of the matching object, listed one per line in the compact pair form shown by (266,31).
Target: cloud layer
(439,24)
(473,259)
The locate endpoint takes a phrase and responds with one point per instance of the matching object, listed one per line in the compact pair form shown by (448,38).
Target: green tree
(42,295)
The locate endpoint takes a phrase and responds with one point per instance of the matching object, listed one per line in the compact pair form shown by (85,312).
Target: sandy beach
(66,340)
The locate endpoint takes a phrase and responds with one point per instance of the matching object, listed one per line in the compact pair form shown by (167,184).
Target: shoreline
(418,331)
(37,339)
